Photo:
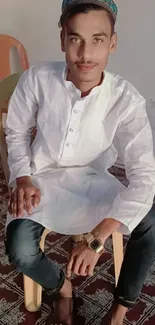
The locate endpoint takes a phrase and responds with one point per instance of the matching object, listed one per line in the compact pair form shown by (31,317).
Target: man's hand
(23,197)
(82,261)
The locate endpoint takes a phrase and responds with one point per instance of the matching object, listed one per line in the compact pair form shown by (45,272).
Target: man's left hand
(82,261)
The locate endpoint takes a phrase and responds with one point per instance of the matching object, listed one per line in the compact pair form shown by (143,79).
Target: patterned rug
(94,295)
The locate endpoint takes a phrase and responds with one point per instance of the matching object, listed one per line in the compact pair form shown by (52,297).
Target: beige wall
(35,23)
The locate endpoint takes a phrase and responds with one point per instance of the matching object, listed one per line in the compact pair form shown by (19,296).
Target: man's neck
(85,87)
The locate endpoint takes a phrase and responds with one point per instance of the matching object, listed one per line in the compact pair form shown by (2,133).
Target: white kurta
(77,140)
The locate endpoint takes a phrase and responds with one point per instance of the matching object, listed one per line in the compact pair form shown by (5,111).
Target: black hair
(85,8)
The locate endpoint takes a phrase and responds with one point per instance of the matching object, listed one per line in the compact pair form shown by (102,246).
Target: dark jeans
(22,245)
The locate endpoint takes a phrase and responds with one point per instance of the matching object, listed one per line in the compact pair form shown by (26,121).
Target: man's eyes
(78,40)
(75,40)
(98,40)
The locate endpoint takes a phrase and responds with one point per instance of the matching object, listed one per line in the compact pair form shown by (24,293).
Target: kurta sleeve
(135,143)
(20,121)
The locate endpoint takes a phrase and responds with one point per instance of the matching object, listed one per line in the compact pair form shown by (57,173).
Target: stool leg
(117,239)
(32,290)
(77,238)
(32,294)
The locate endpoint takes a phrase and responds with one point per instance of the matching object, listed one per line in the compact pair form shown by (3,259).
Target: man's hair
(85,8)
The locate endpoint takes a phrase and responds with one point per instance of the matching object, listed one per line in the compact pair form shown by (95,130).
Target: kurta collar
(71,87)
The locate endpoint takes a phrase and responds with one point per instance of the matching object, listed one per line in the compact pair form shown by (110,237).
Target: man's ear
(113,43)
(62,37)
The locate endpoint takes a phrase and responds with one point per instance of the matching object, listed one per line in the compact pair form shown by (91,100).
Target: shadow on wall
(15,61)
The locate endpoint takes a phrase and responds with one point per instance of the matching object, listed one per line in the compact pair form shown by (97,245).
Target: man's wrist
(102,236)
(94,244)
(105,229)
(23,180)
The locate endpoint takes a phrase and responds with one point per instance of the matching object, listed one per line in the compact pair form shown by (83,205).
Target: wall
(34,23)
(135,54)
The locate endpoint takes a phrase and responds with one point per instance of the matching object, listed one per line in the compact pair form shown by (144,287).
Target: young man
(85,118)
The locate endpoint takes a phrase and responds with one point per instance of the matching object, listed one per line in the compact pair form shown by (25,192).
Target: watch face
(95,244)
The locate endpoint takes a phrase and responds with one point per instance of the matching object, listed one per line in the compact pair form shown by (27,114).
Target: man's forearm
(106,228)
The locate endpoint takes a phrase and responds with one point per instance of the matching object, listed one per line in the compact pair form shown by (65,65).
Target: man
(85,118)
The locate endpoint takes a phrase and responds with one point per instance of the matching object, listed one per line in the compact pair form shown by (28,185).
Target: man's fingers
(9,205)
(83,269)
(20,203)
(38,195)
(14,204)
(22,199)
(28,205)
(90,270)
(69,266)
(76,265)
(36,199)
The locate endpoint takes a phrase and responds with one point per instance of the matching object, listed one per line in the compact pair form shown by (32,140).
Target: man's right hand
(25,196)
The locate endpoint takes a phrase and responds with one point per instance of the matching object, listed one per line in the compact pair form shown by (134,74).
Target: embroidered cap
(109,5)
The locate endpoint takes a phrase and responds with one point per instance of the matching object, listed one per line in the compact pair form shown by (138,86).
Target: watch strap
(89,237)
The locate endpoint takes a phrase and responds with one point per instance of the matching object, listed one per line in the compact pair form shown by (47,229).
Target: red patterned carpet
(94,295)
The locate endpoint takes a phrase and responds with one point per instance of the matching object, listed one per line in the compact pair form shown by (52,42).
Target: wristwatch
(94,243)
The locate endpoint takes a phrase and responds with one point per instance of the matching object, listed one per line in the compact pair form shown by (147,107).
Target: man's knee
(22,252)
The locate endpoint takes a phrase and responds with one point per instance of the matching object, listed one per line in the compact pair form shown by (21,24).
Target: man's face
(87,42)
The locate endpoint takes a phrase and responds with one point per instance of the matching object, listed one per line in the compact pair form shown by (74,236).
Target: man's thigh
(146,226)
